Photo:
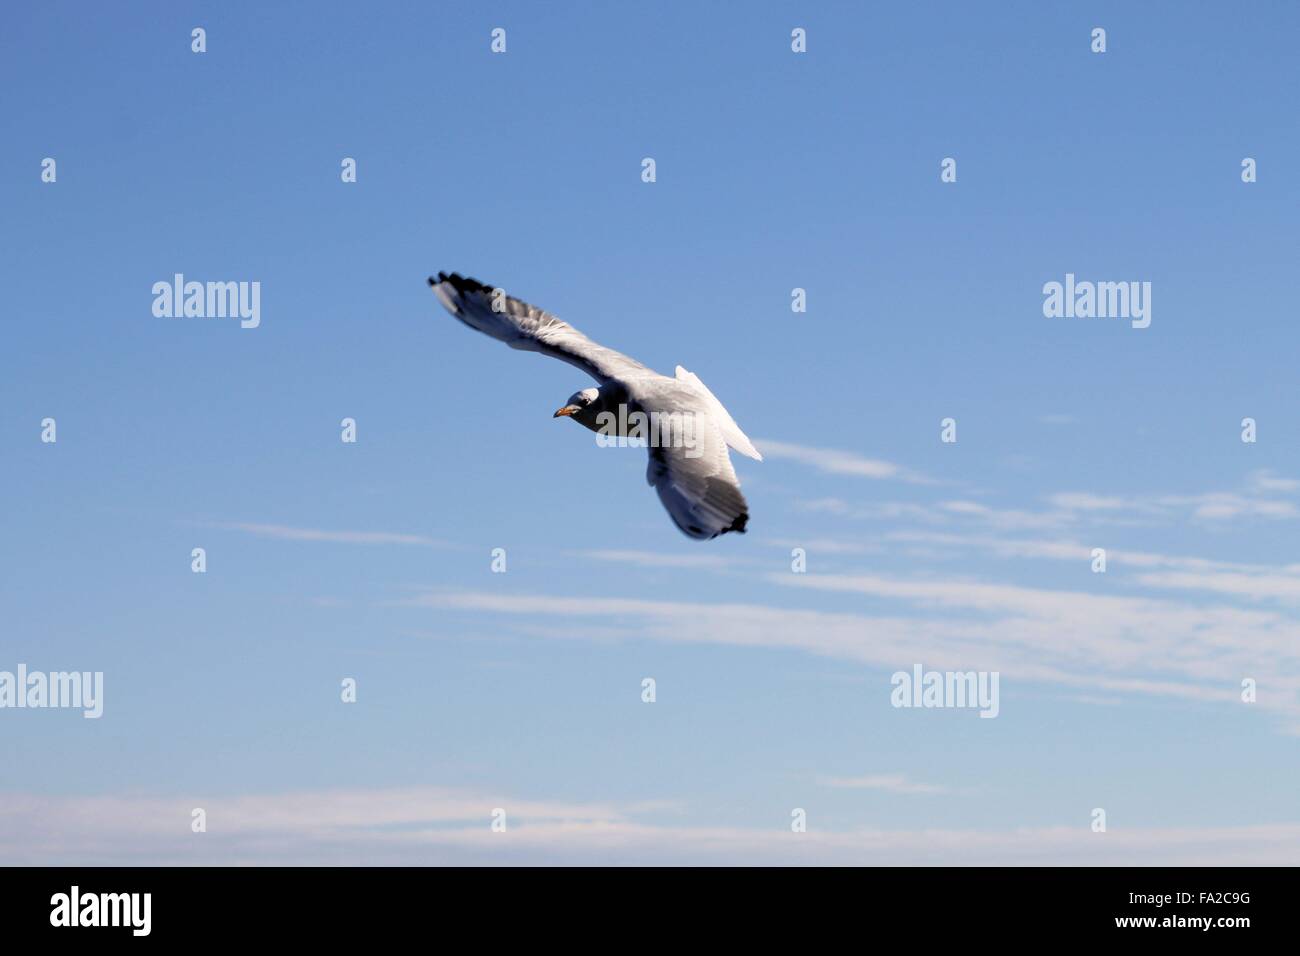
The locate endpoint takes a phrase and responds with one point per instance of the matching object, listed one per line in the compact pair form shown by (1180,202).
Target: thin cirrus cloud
(888,782)
(431,825)
(1220,506)
(288,533)
(1269,482)
(826,545)
(1084,501)
(836,462)
(1162,571)
(1258,496)
(880,511)
(656,559)
(1261,495)
(1283,587)
(1006,518)
(1068,509)
(1143,646)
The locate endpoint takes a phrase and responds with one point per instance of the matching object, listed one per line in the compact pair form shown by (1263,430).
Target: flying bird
(692,473)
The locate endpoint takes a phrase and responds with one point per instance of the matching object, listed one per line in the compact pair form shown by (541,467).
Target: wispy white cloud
(1083,501)
(1074,639)
(826,545)
(1140,644)
(1268,482)
(1254,500)
(1220,506)
(875,510)
(1261,495)
(836,462)
(658,559)
(1282,587)
(956,543)
(1007,518)
(889,782)
(1251,581)
(288,533)
(421,826)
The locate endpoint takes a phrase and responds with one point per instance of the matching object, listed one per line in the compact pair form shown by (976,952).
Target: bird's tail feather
(731,432)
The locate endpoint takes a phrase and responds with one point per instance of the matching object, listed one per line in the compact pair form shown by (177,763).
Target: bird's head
(577,403)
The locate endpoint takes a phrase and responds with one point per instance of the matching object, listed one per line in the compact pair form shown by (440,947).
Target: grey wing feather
(524,326)
(701,493)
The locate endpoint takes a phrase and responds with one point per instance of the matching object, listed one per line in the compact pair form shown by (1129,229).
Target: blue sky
(521,690)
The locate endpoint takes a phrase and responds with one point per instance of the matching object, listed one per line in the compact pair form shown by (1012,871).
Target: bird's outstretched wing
(697,485)
(524,326)
(701,495)
(731,432)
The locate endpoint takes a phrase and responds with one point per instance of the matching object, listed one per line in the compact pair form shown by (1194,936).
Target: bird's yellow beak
(566,411)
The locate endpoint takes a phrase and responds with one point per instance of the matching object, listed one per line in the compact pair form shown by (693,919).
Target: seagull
(693,474)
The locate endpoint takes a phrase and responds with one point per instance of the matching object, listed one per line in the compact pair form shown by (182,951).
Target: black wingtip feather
(462,284)
(467,284)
